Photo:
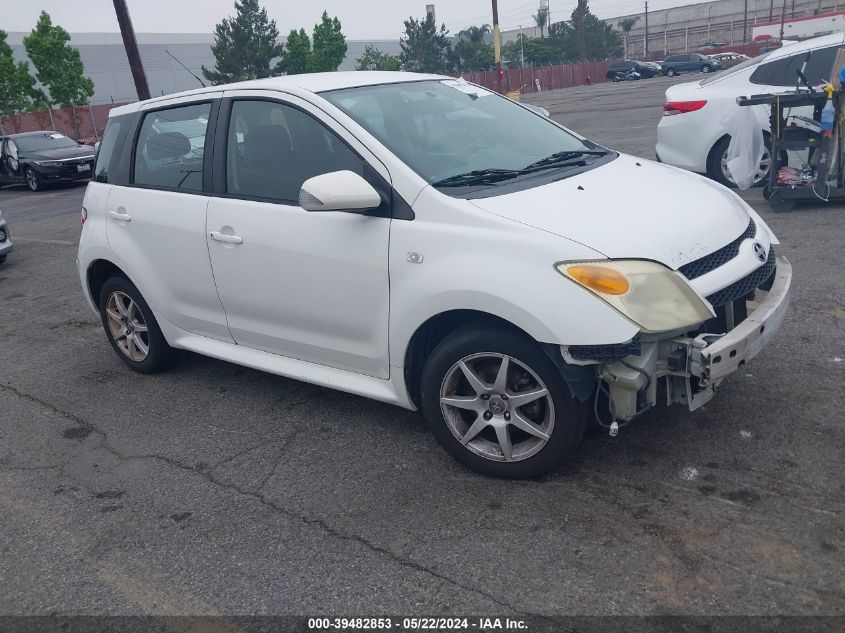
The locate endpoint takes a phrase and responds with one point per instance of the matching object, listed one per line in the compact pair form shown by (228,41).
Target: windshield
(443,129)
(40,142)
(734,69)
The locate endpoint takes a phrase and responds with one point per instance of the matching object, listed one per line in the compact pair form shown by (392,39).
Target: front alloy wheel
(497,403)
(497,407)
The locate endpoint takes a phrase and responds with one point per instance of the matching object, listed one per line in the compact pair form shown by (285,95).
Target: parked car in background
(619,71)
(689,62)
(43,158)
(693,132)
(729,59)
(5,239)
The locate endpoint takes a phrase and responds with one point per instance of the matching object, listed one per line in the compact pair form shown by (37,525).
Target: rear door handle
(123,217)
(225,237)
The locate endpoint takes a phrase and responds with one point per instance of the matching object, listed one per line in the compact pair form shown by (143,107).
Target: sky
(361,19)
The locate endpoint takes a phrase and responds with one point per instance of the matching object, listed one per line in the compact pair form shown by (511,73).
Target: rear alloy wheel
(722,174)
(498,404)
(33,180)
(132,329)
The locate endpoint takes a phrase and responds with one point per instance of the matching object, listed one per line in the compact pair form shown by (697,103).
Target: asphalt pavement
(215,489)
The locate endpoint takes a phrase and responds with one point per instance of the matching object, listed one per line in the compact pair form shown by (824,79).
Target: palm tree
(626,25)
(541,19)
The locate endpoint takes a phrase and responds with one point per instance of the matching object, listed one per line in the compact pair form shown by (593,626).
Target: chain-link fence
(83,123)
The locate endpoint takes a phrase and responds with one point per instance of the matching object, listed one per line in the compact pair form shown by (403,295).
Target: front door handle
(225,237)
(123,217)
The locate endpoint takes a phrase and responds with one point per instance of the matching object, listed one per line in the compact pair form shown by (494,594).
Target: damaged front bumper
(693,366)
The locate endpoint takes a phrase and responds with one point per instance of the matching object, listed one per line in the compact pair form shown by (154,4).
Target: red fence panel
(84,123)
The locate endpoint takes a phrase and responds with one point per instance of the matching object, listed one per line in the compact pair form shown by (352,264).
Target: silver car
(5,239)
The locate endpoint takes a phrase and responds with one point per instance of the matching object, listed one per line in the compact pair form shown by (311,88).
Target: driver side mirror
(338,191)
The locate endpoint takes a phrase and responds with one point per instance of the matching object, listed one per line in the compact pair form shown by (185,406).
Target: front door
(156,224)
(311,286)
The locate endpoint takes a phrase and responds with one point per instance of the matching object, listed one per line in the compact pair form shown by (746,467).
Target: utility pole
(744,24)
(709,9)
(645,42)
(497,46)
(782,18)
(131,46)
(771,10)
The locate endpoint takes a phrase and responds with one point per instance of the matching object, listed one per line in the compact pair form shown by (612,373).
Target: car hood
(81,151)
(631,208)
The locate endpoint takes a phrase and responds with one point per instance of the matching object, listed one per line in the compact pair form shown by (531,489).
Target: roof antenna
(202,83)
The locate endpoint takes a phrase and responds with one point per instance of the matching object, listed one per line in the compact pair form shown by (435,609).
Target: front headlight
(649,294)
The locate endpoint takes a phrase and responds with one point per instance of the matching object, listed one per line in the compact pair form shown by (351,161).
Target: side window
(783,72)
(273,148)
(169,152)
(108,149)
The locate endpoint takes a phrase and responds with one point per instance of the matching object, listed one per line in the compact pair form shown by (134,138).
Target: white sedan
(693,132)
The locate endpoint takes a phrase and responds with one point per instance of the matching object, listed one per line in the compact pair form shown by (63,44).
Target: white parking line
(35,240)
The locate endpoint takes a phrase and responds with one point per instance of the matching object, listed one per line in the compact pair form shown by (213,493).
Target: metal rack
(822,152)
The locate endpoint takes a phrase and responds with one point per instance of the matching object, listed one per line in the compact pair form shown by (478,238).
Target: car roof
(310,82)
(25,134)
(806,45)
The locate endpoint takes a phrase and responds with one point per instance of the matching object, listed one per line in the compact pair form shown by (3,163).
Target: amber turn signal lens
(600,278)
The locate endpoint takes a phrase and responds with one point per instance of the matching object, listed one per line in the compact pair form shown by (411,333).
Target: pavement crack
(262,499)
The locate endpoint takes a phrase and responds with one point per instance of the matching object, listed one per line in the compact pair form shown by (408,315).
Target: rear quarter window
(110,149)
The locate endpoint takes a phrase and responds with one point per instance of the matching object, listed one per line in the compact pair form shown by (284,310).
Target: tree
(541,19)
(58,66)
(579,22)
(374,59)
(17,86)
(329,45)
(297,53)
(472,52)
(626,25)
(245,45)
(538,51)
(425,48)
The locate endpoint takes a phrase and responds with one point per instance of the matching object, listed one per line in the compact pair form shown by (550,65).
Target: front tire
(671,72)
(706,69)
(132,329)
(33,180)
(498,404)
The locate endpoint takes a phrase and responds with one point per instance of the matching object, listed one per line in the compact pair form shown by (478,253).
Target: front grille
(750,282)
(606,353)
(705,264)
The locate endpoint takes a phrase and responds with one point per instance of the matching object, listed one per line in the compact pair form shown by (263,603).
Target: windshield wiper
(478,177)
(557,158)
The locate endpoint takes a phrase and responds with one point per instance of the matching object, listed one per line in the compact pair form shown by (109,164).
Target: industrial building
(105,60)
(694,26)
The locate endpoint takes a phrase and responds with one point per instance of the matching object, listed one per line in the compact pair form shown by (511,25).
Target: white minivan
(425,242)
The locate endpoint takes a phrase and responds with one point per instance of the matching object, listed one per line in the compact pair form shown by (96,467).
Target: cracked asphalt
(215,489)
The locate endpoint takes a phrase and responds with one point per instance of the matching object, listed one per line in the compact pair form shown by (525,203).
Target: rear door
(156,220)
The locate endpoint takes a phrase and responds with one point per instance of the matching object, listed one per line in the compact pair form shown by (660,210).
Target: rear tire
(714,163)
(519,423)
(33,180)
(132,329)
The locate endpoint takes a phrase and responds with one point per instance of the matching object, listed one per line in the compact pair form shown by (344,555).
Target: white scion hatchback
(422,241)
